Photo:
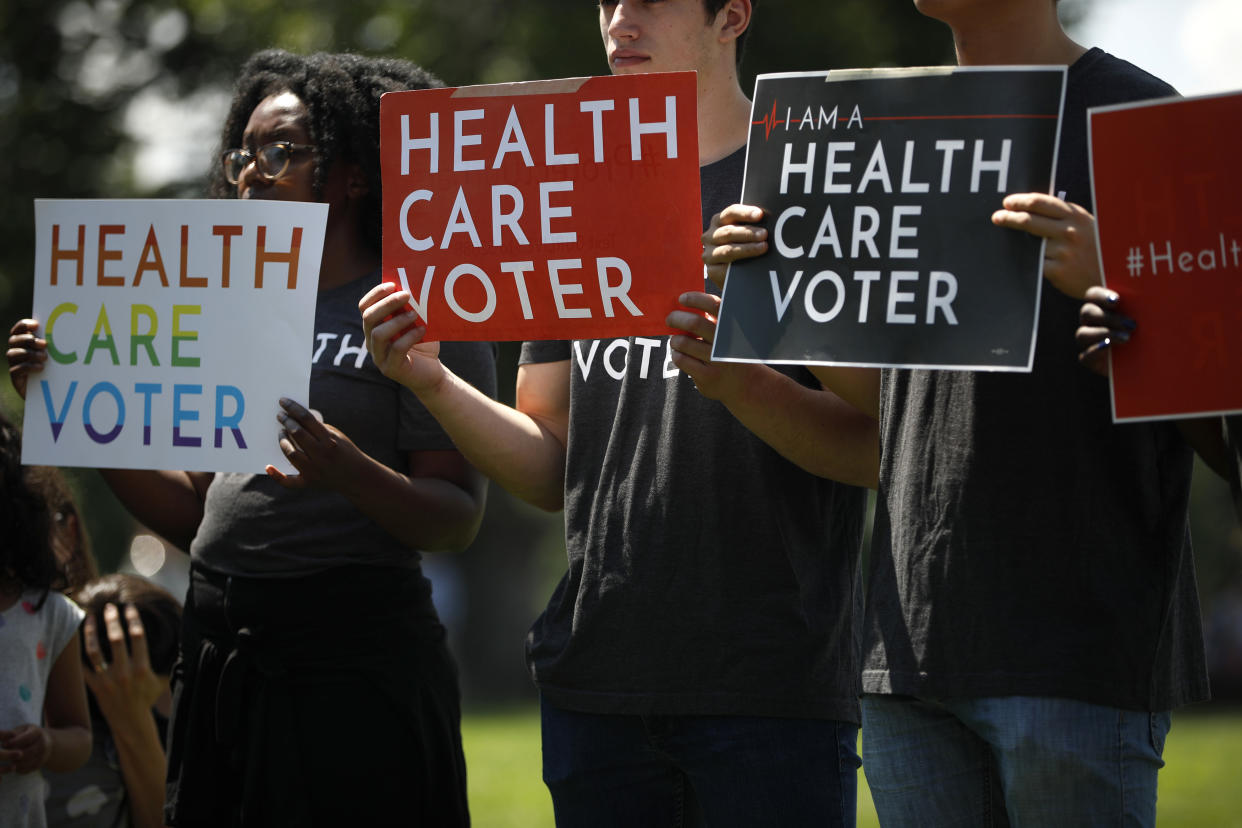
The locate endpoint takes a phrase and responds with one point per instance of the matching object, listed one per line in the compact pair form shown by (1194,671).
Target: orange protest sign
(1166,177)
(563,209)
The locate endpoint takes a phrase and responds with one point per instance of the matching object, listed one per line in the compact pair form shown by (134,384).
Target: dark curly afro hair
(342,93)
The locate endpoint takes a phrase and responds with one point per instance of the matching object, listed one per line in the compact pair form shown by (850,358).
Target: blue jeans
(674,771)
(1014,760)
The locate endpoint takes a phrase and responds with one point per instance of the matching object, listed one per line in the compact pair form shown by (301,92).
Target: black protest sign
(878,187)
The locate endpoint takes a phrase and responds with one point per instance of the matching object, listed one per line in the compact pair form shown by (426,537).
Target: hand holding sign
(692,350)
(26,354)
(394,337)
(1100,326)
(1071,262)
(733,234)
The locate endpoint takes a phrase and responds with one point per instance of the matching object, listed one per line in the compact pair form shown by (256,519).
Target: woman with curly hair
(315,686)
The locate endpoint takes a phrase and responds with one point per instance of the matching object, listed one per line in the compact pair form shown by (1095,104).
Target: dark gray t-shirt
(1024,544)
(707,575)
(253,526)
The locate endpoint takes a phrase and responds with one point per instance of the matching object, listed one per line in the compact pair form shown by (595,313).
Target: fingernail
(285,401)
(1099,346)
(1122,336)
(1112,298)
(1128,323)
(282,416)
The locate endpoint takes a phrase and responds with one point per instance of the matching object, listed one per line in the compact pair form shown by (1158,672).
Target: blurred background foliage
(124,98)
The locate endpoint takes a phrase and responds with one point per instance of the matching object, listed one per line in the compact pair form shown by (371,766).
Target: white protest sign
(173,328)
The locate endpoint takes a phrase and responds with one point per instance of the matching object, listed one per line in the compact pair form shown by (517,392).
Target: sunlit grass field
(1201,784)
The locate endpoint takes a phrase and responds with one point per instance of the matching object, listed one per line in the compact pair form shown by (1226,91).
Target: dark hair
(26,557)
(159,611)
(341,93)
(713,8)
(70,543)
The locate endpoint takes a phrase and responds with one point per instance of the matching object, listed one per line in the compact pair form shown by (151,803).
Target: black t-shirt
(707,574)
(1024,545)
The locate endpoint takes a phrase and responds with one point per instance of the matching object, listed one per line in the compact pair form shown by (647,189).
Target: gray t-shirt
(707,574)
(1023,544)
(253,526)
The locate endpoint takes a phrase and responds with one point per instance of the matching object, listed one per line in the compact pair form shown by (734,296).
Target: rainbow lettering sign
(172,328)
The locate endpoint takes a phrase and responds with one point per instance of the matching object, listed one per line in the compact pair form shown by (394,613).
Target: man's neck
(1015,34)
(724,117)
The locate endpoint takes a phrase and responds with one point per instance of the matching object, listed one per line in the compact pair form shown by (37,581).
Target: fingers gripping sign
(1101,326)
(692,349)
(26,353)
(394,336)
(734,233)
(1070,260)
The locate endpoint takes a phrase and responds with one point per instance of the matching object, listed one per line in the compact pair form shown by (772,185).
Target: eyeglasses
(271,160)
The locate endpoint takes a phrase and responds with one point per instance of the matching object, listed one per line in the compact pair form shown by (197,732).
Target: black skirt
(323,700)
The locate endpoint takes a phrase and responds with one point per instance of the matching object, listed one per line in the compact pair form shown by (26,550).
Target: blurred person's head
(70,543)
(307,127)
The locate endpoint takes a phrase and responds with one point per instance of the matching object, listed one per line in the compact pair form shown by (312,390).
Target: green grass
(1201,784)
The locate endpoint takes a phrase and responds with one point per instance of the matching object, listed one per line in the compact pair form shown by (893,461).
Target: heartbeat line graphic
(770,122)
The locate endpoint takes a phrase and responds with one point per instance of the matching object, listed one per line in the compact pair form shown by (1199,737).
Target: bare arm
(437,504)
(813,428)
(860,387)
(125,691)
(169,503)
(1206,435)
(734,234)
(522,448)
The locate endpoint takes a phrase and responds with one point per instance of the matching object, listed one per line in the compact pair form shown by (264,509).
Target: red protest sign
(1166,177)
(561,209)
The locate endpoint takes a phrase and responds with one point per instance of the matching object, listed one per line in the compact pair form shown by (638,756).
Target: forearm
(426,513)
(522,453)
(142,767)
(70,748)
(860,387)
(169,503)
(812,428)
(1206,435)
